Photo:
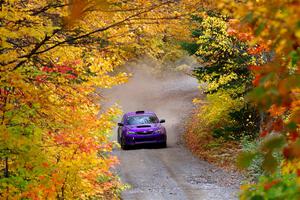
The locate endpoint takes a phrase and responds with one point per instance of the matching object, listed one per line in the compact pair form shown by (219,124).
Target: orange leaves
(275,32)
(276,111)
(254,68)
(286,85)
(276,125)
(45,164)
(50,73)
(78,141)
(257,49)
(79,8)
(256,80)
(245,36)
(232,31)
(88,145)
(239,30)
(65,131)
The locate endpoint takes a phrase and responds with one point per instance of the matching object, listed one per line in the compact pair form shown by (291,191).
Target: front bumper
(134,139)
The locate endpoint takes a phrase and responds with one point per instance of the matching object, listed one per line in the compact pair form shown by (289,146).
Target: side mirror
(162,121)
(120,124)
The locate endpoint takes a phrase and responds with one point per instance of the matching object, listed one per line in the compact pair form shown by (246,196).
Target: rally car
(141,127)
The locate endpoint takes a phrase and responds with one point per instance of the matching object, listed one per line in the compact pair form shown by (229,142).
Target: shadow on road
(146,146)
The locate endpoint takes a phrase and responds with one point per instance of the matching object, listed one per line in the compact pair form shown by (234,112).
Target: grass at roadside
(220,152)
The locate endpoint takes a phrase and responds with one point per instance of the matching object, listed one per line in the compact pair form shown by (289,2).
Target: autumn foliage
(273,27)
(56,57)
(249,51)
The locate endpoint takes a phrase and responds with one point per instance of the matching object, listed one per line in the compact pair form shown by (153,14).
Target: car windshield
(142,119)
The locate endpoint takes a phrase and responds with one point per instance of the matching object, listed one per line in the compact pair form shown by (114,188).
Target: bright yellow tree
(54,55)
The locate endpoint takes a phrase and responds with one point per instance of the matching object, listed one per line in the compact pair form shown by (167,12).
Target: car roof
(139,113)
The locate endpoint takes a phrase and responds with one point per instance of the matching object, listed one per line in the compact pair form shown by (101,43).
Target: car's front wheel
(124,146)
(164,144)
(118,138)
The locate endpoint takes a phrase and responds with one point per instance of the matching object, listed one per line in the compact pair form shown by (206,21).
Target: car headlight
(158,131)
(130,132)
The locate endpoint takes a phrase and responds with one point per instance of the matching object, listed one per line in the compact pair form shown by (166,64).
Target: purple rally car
(141,127)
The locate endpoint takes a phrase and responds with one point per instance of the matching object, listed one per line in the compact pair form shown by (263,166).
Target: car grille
(144,132)
(144,139)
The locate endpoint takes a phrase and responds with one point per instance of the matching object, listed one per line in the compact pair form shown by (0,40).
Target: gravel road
(173,172)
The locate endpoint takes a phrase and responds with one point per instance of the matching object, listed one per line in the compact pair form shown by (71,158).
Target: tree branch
(104,28)
(35,49)
(39,45)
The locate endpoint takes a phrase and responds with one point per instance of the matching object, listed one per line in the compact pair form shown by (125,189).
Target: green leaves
(269,146)
(245,158)
(273,143)
(269,164)
(278,186)
(259,28)
(224,56)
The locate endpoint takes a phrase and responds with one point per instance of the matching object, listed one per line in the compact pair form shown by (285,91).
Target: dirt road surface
(172,173)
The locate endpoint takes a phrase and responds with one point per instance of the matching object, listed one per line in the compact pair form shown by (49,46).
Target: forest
(55,55)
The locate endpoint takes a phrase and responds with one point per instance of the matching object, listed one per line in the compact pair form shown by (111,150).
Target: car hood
(142,127)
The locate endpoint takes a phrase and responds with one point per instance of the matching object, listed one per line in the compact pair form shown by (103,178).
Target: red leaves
(256,80)
(254,68)
(71,76)
(298,172)
(4,91)
(65,70)
(59,69)
(41,78)
(48,69)
(287,152)
(277,125)
(293,136)
(264,133)
(293,149)
(269,185)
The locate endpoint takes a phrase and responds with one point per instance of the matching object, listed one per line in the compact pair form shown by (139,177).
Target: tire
(163,145)
(118,138)
(123,144)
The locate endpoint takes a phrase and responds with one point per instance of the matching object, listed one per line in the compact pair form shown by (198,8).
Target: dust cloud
(162,89)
